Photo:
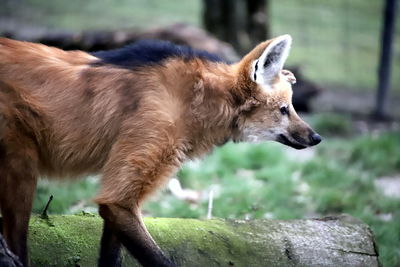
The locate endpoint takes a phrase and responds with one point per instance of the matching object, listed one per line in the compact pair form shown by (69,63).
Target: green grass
(331,124)
(76,15)
(269,181)
(66,195)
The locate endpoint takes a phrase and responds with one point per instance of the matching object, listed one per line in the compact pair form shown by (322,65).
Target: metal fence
(336,42)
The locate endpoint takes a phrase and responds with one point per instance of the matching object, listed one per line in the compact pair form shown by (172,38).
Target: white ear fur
(270,63)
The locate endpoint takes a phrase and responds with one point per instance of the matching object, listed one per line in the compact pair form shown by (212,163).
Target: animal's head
(265,93)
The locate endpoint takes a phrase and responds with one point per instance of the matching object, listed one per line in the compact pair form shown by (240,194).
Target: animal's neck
(213,104)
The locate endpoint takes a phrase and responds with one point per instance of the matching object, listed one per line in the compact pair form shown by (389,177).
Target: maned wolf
(132,115)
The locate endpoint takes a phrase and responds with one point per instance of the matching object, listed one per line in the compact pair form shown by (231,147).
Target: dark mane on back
(148,52)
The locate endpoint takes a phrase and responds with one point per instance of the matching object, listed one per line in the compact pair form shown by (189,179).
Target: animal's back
(150,53)
(83,102)
(68,109)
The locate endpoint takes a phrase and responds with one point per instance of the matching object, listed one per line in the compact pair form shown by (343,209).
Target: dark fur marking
(284,140)
(129,99)
(2,151)
(128,91)
(149,52)
(226,140)
(234,123)
(88,93)
(255,70)
(90,79)
(296,136)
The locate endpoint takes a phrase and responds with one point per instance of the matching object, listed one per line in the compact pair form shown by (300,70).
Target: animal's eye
(284,110)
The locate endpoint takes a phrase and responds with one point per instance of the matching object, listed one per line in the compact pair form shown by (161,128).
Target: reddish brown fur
(60,116)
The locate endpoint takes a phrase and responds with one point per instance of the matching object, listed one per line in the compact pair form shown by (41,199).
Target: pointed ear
(268,66)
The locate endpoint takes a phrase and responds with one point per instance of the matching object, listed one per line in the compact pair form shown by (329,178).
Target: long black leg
(110,248)
(128,226)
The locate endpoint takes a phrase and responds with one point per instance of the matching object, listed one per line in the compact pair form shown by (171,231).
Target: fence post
(384,71)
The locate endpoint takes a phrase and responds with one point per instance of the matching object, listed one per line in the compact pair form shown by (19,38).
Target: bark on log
(73,240)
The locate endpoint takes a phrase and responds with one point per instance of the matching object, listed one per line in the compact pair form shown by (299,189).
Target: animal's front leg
(130,230)
(128,178)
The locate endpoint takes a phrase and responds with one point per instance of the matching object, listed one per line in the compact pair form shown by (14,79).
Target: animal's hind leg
(18,182)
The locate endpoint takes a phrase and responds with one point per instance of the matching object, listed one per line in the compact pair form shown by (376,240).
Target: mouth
(284,140)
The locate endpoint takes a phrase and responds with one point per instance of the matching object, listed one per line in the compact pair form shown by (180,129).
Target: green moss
(218,241)
(74,240)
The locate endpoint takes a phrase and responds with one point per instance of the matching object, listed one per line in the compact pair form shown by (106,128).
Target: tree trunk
(333,241)
(242,23)
(257,24)
(385,62)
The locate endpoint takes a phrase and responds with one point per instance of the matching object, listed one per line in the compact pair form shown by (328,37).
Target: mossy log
(73,240)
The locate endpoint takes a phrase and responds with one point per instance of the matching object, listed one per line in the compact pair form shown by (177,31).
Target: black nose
(315,139)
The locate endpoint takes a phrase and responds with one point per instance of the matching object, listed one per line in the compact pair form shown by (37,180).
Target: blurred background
(346,56)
